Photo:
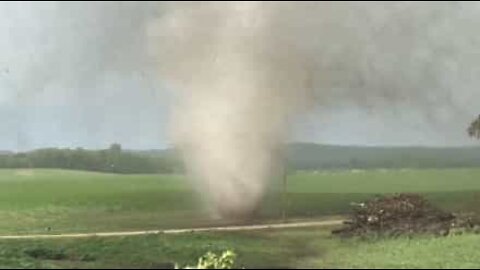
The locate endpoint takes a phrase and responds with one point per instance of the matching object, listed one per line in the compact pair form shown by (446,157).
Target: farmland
(72,201)
(58,201)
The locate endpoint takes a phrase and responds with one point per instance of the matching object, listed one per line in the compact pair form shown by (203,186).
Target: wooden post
(284,195)
(284,187)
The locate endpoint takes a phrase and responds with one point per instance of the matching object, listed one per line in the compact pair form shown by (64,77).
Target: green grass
(309,248)
(459,252)
(31,201)
(385,181)
(73,201)
(331,192)
(254,250)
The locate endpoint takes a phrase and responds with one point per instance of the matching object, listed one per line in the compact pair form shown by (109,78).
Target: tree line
(300,156)
(113,160)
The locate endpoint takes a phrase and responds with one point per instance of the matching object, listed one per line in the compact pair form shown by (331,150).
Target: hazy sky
(81,74)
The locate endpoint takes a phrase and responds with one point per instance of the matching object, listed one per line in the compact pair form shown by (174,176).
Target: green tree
(474,128)
(116,148)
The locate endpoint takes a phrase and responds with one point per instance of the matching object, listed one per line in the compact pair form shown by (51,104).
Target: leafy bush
(213,261)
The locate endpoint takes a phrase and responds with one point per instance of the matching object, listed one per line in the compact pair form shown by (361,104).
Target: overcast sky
(80,75)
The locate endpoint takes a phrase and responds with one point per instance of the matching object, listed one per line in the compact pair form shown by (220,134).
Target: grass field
(31,201)
(331,192)
(306,248)
(72,201)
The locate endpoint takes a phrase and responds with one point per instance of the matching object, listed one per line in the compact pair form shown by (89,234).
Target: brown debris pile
(402,214)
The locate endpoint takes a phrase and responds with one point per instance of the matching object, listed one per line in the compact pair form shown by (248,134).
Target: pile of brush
(401,214)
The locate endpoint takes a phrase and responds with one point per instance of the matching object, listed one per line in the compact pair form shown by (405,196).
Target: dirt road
(180,231)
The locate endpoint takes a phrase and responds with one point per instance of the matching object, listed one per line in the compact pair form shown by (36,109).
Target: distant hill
(311,156)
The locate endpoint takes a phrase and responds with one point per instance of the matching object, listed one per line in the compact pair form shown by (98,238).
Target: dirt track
(179,231)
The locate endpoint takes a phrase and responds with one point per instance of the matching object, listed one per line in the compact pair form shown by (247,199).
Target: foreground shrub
(401,214)
(213,261)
